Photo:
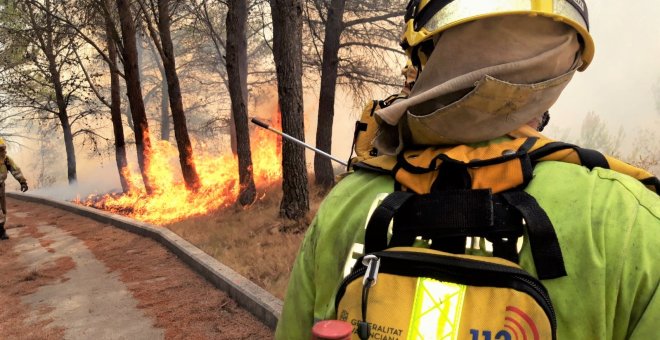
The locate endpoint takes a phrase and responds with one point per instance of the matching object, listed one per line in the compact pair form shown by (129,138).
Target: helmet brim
(459,12)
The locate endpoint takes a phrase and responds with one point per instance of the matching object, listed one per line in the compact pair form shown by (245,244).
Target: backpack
(366,129)
(434,292)
(416,280)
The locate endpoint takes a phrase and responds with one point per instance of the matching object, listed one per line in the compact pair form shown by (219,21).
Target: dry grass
(253,241)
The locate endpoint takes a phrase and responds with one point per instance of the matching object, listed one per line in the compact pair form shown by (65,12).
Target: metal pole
(265,126)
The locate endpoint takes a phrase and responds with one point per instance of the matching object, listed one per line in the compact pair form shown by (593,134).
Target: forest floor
(50,251)
(63,276)
(253,241)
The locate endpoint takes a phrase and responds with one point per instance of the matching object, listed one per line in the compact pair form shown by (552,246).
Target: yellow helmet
(2,143)
(426,18)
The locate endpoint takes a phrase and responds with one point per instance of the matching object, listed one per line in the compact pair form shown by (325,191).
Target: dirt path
(63,276)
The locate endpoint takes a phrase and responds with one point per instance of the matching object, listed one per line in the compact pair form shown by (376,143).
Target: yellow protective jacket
(8,165)
(607,223)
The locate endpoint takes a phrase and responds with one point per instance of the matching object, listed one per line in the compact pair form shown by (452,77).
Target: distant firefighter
(7,165)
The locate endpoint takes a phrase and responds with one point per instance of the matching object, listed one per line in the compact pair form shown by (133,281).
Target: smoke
(43,163)
(78,190)
(93,178)
(619,84)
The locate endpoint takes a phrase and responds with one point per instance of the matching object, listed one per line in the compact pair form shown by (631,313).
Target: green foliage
(38,58)
(12,48)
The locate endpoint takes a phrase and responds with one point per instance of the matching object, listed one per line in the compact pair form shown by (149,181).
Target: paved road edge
(266,307)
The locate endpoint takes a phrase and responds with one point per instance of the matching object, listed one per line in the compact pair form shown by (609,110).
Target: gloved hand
(24,187)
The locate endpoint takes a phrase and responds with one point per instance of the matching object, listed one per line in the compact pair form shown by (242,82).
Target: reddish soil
(16,281)
(180,301)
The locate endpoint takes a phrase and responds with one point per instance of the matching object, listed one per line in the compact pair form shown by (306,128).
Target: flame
(171,201)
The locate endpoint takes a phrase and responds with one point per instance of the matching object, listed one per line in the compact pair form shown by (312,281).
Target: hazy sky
(618,84)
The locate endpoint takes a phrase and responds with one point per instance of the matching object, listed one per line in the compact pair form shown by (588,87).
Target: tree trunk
(164,96)
(287,50)
(176,101)
(323,171)
(237,73)
(233,140)
(127,110)
(164,109)
(62,113)
(134,91)
(115,110)
(68,144)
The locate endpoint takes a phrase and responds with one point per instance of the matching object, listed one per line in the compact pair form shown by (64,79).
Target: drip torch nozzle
(321,152)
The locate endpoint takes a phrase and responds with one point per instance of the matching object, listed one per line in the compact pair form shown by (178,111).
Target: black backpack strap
(449,217)
(366,167)
(592,158)
(549,149)
(446,218)
(359,127)
(452,175)
(375,237)
(402,163)
(652,182)
(505,245)
(543,240)
(526,161)
(588,157)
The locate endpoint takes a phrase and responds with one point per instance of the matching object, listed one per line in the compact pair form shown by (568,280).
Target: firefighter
(488,70)
(7,165)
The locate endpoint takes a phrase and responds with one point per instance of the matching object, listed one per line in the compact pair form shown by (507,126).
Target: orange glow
(171,201)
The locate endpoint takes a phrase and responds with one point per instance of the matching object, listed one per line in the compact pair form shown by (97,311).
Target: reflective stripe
(436,310)
(545,6)
(358,248)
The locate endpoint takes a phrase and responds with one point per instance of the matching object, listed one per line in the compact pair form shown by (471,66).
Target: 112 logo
(517,324)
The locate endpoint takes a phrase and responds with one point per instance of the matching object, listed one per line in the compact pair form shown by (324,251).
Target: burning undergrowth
(171,201)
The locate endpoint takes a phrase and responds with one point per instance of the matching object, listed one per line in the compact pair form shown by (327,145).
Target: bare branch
(373,46)
(374,19)
(152,31)
(89,81)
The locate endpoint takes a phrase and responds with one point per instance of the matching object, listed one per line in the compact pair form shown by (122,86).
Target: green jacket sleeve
(608,226)
(336,231)
(647,327)
(298,311)
(638,302)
